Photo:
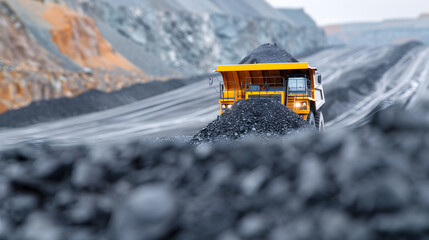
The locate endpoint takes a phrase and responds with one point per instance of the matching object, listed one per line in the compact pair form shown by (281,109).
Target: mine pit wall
(190,42)
(77,37)
(18,48)
(20,88)
(29,72)
(195,42)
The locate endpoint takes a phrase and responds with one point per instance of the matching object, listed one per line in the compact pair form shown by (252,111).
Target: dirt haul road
(358,82)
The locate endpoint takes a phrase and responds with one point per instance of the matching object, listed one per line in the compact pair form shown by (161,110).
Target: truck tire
(320,121)
(310,119)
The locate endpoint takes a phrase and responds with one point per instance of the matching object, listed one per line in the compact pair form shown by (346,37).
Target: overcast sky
(327,12)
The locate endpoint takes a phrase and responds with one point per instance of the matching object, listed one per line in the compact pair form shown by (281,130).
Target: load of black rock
(359,184)
(259,117)
(268,53)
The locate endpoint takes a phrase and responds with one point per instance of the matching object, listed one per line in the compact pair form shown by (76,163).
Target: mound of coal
(361,184)
(252,116)
(88,102)
(268,53)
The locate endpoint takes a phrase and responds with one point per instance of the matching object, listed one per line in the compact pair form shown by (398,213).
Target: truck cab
(295,85)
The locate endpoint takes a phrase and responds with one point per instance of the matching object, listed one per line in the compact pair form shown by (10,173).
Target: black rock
(312,179)
(20,206)
(87,176)
(41,226)
(411,223)
(83,211)
(253,181)
(5,228)
(335,225)
(148,214)
(51,170)
(253,226)
(33,186)
(365,183)
(268,53)
(252,116)
(383,192)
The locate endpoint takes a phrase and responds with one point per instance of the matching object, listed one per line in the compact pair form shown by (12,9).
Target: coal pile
(361,184)
(268,53)
(88,102)
(261,117)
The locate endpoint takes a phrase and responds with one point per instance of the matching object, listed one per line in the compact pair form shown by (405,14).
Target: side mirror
(210,81)
(319,79)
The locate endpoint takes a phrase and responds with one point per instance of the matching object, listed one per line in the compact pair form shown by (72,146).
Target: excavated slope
(21,88)
(78,38)
(193,36)
(30,72)
(17,48)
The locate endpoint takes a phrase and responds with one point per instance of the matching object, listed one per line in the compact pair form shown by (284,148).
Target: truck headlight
(229,106)
(223,106)
(301,105)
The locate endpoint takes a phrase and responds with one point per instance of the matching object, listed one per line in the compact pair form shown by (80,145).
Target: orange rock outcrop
(17,47)
(28,72)
(78,38)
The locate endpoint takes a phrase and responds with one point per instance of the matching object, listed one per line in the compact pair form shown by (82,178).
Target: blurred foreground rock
(358,184)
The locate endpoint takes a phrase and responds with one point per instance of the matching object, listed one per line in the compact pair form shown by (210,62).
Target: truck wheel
(320,121)
(310,119)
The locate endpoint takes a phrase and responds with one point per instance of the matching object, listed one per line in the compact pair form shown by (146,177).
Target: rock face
(20,88)
(18,48)
(77,37)
(145,38)
(31,72)
(387,32)
(194,36)
(299,17)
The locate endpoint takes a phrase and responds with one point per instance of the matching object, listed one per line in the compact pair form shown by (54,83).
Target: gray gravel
(367,183)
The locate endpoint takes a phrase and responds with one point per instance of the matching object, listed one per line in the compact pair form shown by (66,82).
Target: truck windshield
(297,84)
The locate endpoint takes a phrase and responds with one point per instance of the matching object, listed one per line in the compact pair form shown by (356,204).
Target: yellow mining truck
(296,85)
